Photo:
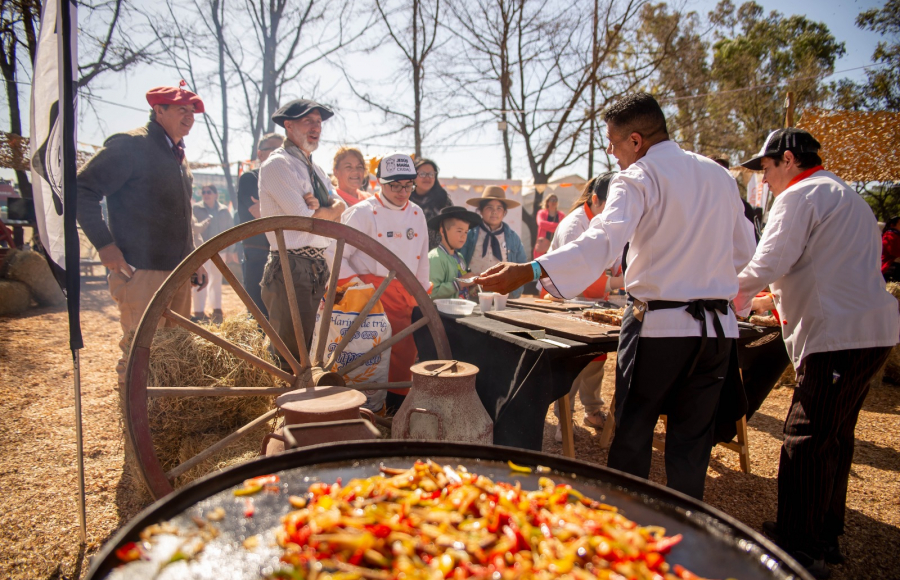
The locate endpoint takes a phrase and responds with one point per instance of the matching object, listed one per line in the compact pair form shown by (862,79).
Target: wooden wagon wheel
(307,372)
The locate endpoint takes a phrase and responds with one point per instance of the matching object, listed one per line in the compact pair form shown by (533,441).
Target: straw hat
(493,192)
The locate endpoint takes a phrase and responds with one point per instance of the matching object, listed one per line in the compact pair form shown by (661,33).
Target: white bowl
(454,306)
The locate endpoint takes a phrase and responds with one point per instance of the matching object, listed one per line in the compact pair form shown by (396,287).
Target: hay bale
(183,426)
(32,269)
(15,298)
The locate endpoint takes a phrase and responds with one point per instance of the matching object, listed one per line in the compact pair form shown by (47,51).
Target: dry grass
(181,427)
(39,522)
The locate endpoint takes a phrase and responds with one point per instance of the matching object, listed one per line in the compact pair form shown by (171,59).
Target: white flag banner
(47,133)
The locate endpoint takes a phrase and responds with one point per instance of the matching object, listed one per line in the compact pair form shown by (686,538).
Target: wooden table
(518,377)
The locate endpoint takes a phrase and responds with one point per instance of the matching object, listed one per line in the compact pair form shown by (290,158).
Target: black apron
(733,400)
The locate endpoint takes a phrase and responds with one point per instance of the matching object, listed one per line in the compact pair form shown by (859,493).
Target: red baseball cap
(174,96)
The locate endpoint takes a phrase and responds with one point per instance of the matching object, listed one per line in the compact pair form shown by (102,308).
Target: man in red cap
(147,184)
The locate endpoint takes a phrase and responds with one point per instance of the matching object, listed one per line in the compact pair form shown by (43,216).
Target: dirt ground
(39,521)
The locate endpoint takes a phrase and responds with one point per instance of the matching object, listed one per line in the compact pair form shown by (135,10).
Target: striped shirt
(283,181)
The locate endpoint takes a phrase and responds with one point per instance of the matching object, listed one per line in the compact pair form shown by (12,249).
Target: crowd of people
(670,227)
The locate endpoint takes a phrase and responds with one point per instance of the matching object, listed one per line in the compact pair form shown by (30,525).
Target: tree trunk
(530,218)
(8,67)
(417,80)
(218,21)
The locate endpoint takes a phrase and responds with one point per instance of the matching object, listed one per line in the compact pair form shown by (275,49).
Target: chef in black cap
(290,184)
(820,253)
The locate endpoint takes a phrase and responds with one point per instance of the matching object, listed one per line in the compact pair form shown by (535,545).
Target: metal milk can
(442,405)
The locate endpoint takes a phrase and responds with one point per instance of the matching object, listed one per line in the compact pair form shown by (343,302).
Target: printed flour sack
(374,329)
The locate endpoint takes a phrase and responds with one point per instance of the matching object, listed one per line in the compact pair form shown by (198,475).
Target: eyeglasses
(428,174)
(208,192)
(397,188)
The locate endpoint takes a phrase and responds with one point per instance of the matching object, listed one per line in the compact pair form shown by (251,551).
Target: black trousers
(818,444)
(253,266)
(660,385)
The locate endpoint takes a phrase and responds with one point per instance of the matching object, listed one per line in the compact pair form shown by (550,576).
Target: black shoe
(833,554)
(770,530)
(813,565)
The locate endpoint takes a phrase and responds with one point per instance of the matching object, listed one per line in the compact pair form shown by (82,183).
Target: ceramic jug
(442,405)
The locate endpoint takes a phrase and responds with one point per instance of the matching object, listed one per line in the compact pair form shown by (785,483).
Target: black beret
(300,108)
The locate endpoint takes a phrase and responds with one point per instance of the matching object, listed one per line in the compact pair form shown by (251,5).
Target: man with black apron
(683,217)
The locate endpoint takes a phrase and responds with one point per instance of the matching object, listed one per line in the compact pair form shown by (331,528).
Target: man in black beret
(290,184)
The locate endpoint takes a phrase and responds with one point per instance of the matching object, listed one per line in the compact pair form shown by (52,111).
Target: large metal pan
(715,545)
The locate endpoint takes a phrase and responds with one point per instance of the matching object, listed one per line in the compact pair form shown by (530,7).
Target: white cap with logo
(396,167)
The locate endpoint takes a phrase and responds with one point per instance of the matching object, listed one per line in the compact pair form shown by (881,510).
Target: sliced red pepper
(129,552)
(654,560)
(302,536)
(684,574)
(664,545)
(357,557)
(379,530)
(249,510)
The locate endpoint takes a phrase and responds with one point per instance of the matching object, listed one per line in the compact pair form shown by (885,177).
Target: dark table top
(519,378)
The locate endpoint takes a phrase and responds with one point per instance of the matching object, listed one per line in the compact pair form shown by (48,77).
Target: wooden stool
(565,424)
(741,446)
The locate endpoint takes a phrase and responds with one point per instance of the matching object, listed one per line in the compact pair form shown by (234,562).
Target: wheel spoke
(360,318)
(218,446)
(325,321)
(235,350)
(156,392)
(292,299)
(257,314)
(383,346)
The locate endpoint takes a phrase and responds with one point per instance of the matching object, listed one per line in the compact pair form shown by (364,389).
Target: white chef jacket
(402,231)
(821,254)
(689,239)
(570,228)
(283,181)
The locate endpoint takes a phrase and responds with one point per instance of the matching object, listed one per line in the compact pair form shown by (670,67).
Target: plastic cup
(500,301)
(486,300)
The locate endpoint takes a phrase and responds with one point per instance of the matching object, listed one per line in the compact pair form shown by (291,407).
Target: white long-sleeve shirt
(689,239)
(403,231)
(821,254)
(283,181)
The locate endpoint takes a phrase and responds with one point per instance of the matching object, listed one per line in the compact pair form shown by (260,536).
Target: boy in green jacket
(445,263)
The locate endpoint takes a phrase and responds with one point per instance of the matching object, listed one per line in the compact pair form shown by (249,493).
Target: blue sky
(482,155)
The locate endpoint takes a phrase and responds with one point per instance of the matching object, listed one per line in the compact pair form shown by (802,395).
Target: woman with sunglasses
(429,195)
(400,226)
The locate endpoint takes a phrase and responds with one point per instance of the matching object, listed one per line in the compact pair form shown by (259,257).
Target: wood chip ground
(39,521)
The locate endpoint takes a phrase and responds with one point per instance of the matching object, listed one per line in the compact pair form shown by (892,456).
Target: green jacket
(443,271)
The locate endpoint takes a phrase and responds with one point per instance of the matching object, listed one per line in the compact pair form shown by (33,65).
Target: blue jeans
(253,266)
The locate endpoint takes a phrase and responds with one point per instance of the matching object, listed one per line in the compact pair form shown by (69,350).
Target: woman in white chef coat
(399,225)
(590,203)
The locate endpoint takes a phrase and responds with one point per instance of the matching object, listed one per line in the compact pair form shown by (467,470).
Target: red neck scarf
(805,174)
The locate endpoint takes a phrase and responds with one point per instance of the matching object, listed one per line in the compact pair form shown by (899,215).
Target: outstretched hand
(505,277)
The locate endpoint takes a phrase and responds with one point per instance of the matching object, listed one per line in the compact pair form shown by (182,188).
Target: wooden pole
(789,110)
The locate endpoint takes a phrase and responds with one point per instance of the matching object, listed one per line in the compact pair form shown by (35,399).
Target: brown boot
(217,316)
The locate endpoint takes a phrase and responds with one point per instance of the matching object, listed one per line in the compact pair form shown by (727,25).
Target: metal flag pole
(67,25)
(82,513)
(53,177)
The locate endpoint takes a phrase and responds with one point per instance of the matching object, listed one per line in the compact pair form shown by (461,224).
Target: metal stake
(82,516)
